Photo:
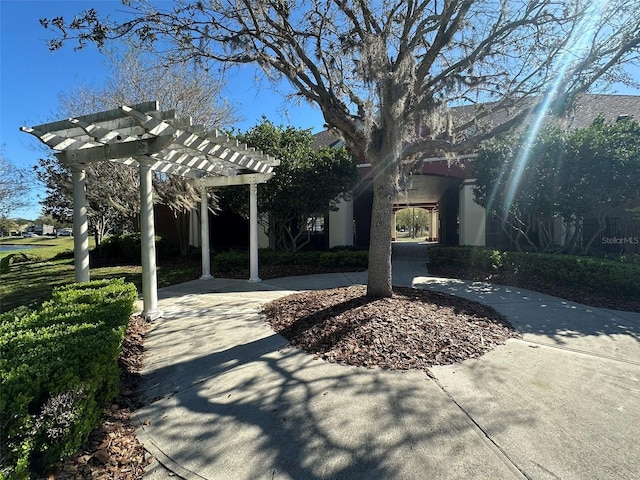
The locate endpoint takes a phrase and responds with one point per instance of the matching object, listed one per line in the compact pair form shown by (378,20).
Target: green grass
(47,247)
(31,282)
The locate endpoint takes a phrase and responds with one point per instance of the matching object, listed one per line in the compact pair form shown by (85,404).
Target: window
(492,224)
(315,224)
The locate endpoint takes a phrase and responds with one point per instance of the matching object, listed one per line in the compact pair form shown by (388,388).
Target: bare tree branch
(382,71)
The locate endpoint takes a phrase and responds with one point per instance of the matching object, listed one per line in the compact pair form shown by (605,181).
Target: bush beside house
(619,278)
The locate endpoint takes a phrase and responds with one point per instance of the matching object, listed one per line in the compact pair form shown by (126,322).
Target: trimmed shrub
(229,261)
(58,370)
(126,248)
(614,278)
(466,257)
(345,258)
(595,274)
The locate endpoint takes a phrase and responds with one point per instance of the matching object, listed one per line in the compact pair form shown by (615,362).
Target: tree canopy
(534,184)
(385,74)
(306,185)
(135,76)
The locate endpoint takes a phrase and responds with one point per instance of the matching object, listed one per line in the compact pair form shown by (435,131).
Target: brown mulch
(414,329)
(113,451)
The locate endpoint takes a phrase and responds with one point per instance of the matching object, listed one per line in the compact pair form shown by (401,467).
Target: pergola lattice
(143,136)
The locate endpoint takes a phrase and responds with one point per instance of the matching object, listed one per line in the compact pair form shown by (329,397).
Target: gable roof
(326,138)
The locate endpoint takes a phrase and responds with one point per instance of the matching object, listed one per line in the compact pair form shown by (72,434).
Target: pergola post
(204,233)
(155,140)
(80,224)
(253,233)
(148,245)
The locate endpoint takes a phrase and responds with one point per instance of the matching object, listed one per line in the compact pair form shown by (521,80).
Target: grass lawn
(51,265)
(40,247)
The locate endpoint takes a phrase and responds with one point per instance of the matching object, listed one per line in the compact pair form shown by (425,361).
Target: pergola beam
(246,179)
(113,151)
(194,141)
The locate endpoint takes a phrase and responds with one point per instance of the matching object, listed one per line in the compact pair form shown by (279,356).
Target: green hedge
(58,370)
(619,278)
(228,261)
(465,257)
(126,248)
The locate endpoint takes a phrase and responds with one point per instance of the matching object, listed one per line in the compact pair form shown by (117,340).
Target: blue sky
(32,78)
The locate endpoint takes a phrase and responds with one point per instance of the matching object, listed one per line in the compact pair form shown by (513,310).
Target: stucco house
(445,190)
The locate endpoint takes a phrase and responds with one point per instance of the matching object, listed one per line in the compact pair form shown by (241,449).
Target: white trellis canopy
(143,136)
(173,144)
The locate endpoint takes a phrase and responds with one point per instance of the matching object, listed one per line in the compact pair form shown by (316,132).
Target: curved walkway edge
(227,398)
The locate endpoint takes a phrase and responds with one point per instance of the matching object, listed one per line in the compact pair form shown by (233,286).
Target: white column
(253,234)
(194,228)
(148,244)
(472,217)
(204,233)
(80,225)
(434,230)
(394,232)
(341,224)
(559,230)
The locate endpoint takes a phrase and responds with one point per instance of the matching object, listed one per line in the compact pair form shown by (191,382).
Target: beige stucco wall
(472,217)
(341,225)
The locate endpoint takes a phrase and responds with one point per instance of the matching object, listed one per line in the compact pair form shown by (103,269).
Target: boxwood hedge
(58,370)
(228,261)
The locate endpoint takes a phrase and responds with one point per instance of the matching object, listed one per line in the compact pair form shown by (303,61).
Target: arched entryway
(437,188)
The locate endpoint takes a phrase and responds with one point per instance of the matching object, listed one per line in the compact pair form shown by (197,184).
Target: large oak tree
(385,73)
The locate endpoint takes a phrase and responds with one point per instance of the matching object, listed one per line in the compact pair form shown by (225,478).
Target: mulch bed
(414,329)
(113,451)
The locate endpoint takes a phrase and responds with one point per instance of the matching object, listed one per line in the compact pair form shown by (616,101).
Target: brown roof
(585,110)
(588,107)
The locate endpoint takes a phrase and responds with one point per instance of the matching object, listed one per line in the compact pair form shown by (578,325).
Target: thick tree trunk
(379,283)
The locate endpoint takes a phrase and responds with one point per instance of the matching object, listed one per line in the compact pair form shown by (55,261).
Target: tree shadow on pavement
(261,410)
(559,320)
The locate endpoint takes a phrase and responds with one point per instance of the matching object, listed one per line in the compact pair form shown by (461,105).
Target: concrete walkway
(228,399)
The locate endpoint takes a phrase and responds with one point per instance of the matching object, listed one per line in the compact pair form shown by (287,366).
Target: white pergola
(145,137)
